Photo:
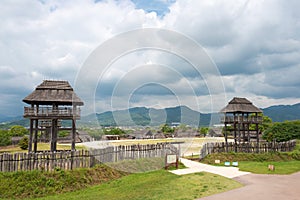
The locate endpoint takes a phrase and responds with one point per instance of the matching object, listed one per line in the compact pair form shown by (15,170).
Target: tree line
(15,131)
(271,131)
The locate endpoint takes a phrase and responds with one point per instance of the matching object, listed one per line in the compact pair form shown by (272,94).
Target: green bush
(5,138)
(165,128)
(18,130)
(114,131)
(24,143)
(283,131)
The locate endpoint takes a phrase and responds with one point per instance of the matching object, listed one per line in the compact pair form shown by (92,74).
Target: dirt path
(266,187)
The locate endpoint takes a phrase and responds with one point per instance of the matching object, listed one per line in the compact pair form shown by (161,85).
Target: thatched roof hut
(49,92)
(58,102)
(240,105)
(238,119)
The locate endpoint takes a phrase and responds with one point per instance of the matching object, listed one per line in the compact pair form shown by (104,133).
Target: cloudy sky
(243,48)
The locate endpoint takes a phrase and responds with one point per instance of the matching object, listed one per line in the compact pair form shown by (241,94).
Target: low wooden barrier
(67,160)
(252,147)
(46,161)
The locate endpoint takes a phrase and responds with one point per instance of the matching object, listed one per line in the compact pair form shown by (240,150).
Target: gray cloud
(255,45)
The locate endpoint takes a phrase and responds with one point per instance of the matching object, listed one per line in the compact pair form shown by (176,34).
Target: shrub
(283,131)
(24,143)
(5,138)
(18,130)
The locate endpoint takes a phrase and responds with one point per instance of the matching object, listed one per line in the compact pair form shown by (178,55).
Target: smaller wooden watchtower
(241,119)
(51,103)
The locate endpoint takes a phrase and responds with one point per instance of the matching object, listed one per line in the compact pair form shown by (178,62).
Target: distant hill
(282,113)
(142,116)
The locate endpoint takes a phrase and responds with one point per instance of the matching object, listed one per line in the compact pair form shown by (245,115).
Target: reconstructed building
(241,120)
(51,103)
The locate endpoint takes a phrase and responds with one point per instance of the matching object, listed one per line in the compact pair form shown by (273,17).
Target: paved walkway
(192,167)
(256,186)
(262,186)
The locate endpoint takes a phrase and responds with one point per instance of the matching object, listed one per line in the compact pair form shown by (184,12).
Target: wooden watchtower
(50,103)
(241,119)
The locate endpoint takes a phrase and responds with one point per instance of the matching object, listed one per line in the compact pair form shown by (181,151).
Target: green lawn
(287,167)
(154,185)
(284,162)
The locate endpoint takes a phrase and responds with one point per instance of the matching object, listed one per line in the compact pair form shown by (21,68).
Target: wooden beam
(30,135)
(35,135)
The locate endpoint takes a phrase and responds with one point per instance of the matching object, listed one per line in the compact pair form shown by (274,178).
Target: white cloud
(255,44)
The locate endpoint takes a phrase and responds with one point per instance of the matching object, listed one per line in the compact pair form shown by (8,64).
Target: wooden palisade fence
(119,153)
(45,161)
(67,160)
(262,147)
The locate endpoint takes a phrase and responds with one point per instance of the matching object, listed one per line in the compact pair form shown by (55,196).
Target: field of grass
(287,167)
(284,162)
(142,165)
(154,185)
(29,184)
(41,147)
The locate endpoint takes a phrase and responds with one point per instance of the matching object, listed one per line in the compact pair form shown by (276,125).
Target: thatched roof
(239,105)
(49,92)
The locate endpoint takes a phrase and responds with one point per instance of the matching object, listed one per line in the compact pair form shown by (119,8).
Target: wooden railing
(251,119)
(51,112)
(48,123)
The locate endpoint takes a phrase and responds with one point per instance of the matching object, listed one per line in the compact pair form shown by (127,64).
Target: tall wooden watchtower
(50,103)
(241,119)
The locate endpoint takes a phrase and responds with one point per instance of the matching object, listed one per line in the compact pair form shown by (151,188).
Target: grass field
(41,147)
(29,184)
(287,167)
(154,185)
(284,162)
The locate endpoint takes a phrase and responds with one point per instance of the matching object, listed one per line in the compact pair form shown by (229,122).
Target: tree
(114,131)
(266,123)
(5,138)
(24,143)
(203,131)
(94,133)
(167,129)
(18,130)
(283,131)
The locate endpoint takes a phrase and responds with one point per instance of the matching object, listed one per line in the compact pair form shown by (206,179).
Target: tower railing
(64,112)
(250,119)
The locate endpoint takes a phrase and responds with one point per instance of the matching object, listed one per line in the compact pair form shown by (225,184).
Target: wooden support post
(257,138)
(36,121)
(73,134)
(53,135)
(225,133)
(30,136)
(238,137)
(235,142)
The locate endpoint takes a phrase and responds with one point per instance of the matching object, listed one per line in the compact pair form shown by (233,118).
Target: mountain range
(142,116)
